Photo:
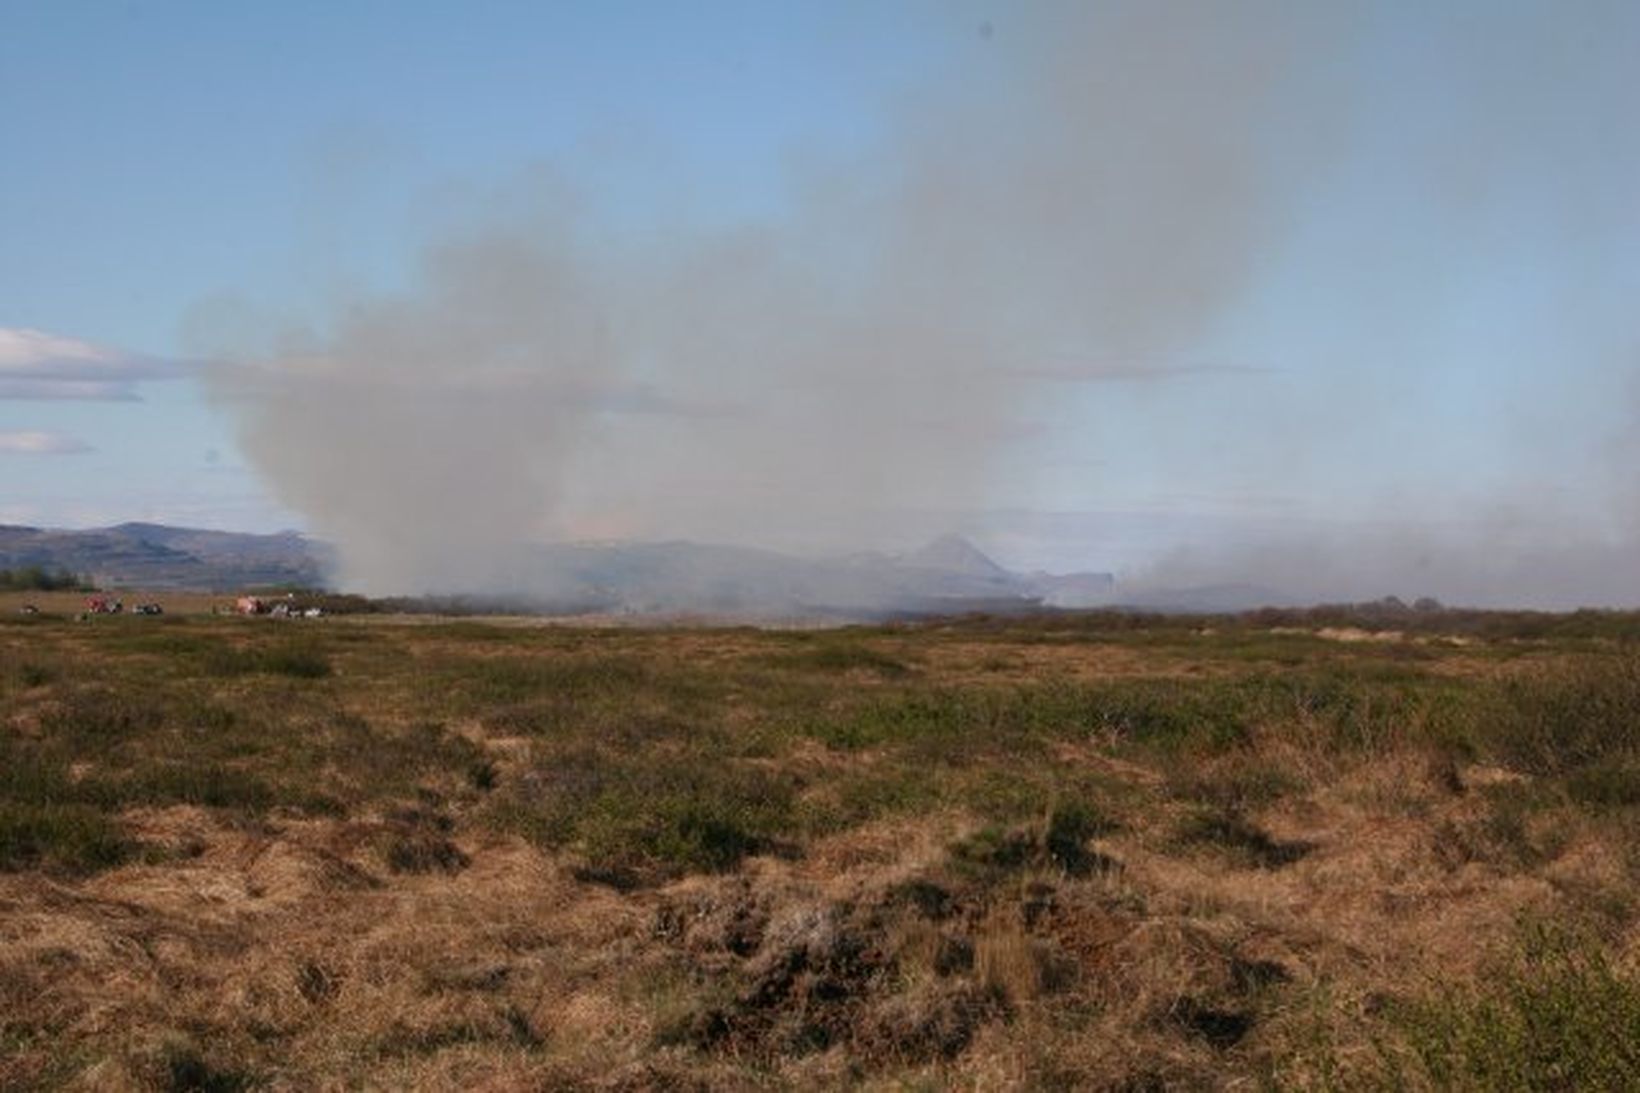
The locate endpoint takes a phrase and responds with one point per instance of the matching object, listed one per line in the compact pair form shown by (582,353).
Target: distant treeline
(34,578)
(1423,617)
(1430,618)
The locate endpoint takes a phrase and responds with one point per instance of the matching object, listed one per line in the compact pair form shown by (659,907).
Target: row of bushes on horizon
(36,578)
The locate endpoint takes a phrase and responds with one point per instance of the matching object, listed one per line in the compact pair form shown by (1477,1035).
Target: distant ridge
(954,554)
(156,556)
(949,575)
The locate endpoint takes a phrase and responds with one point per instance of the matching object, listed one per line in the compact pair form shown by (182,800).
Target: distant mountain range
(949,574)
(154,556)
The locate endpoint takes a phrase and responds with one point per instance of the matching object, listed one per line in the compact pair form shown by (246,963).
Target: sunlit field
(1313,850)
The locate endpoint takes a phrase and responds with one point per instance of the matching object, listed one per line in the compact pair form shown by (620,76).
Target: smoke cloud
(1092,195)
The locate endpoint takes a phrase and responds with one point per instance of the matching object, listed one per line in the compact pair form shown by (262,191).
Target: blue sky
(1425,315)
(163,152)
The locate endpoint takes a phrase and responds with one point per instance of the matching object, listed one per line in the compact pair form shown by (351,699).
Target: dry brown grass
(471,855)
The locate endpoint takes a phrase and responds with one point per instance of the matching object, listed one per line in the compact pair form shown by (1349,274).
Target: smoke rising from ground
(1108,184)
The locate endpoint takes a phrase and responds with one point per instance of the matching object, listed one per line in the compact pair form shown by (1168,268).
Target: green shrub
(1060,841)
(1579,716)
(73,837)
(422,850)
(1557,1015)
(1245,841)
(100,716)
(650,812)
(295,661)
(30,674)
(292,659)
(1246,781)
(869,795)
(1070,825)
(846,657)
(27,776)
(1606,785)
(996,847)
(483,774)
(188,1070)
(212,785)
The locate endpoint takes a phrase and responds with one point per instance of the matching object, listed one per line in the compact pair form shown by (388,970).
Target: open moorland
(1300,850)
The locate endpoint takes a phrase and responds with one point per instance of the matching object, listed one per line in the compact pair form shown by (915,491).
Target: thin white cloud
(35,365)
(39,442)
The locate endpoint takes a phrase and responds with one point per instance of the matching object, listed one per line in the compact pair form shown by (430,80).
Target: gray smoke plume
(1100,184)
